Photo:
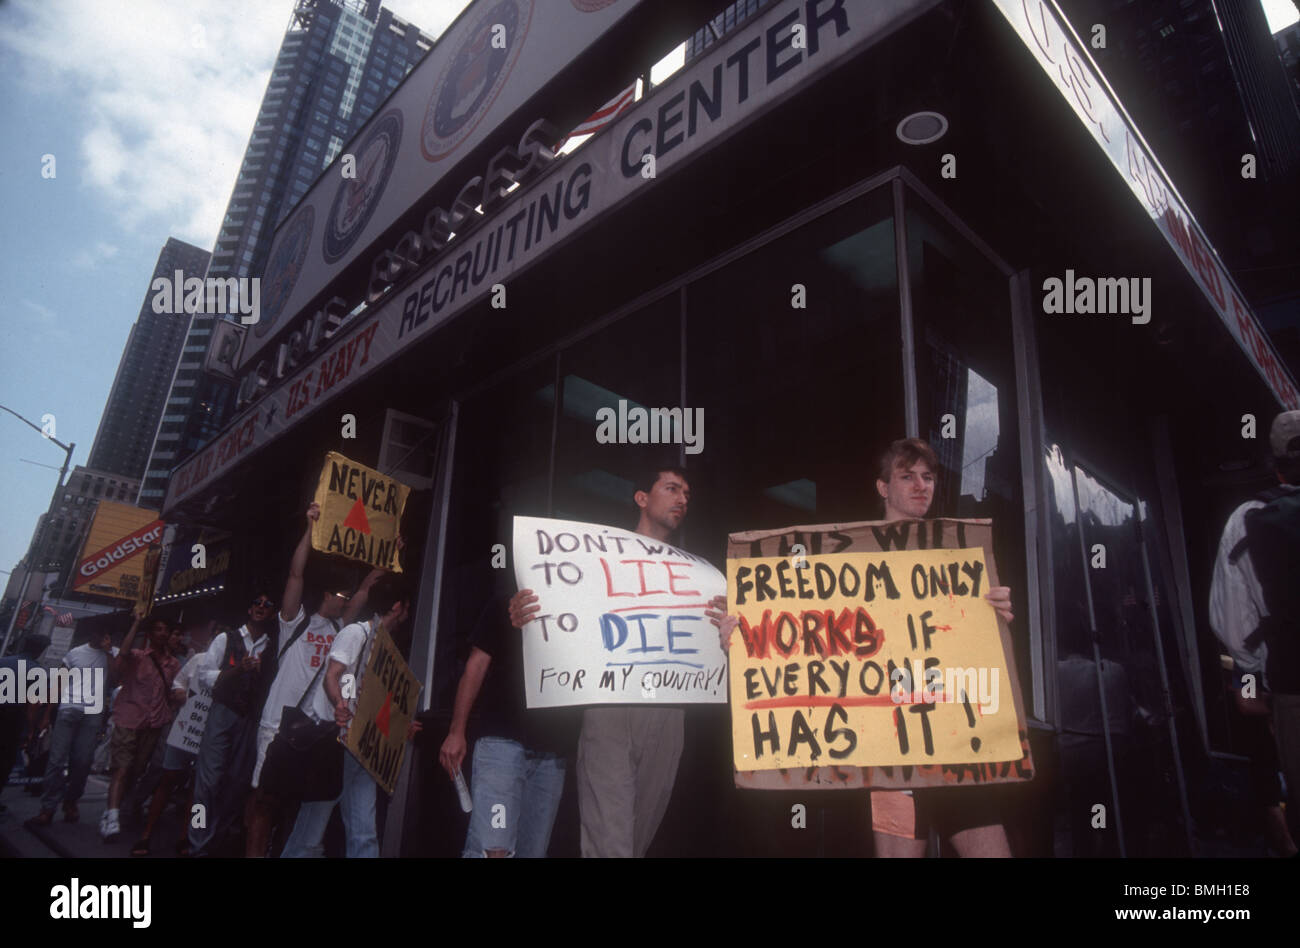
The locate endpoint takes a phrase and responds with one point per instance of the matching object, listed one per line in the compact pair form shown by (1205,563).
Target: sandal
(140,847)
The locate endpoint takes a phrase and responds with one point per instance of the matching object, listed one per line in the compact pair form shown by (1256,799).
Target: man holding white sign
(625,626)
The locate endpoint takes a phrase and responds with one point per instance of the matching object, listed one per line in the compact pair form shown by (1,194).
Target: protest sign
(873,660)
(148,576)
(360,513)
(187,728)
(385,705)
(622,618)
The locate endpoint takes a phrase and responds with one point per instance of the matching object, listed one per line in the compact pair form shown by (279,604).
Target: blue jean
(358,803)
(221,772)
(516,795)
(72,745)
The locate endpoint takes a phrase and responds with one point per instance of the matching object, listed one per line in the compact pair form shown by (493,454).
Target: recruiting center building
(838,223)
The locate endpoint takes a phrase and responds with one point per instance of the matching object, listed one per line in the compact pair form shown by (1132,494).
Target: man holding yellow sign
(841,667)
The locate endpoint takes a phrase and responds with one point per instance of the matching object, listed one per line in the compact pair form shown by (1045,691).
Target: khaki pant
(627,762)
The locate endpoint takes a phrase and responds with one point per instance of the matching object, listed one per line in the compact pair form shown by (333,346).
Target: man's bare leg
(898,847)
(982,842)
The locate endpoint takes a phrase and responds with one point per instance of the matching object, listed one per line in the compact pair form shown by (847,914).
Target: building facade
(920,174)
(134,408)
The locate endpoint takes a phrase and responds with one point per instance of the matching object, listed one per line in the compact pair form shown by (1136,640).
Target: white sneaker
(108,826)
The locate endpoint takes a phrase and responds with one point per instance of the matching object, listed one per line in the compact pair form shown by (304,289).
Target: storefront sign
(180,577)
(695,110)
(622,618)
(486,67)
(865,659)
(877,663)
(360,513)
(377,732)
(112,562)
(1043,30)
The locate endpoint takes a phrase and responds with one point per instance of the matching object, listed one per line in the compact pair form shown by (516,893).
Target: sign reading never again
(622,618)
(360,513)
(377,732)
(878,664)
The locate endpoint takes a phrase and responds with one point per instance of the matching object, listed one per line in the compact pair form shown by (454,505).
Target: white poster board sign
(187,729)
(622,618)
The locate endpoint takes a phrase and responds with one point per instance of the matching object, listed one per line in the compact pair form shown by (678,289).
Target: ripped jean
(516,795)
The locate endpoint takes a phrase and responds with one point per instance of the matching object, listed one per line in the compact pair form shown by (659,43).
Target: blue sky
(146,106)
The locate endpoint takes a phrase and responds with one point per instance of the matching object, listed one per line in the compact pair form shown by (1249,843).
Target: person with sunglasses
(238,669)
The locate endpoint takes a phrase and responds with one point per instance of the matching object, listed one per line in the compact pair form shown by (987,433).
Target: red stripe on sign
(118,552)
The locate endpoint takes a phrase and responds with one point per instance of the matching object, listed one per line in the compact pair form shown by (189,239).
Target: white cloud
(166,93)
(43,313)
(90,257)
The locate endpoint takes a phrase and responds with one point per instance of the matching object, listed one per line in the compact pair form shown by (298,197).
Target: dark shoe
(140,847)
(44,818)
(70,813)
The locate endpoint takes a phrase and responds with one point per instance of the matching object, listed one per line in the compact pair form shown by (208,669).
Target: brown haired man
(901,819)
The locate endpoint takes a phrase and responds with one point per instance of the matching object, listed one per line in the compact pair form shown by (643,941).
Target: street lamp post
(27,575)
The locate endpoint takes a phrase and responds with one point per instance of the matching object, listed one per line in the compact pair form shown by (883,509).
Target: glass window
(798,402)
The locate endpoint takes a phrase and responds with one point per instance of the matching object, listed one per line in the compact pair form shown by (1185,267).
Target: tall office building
(339,59)
(135,403)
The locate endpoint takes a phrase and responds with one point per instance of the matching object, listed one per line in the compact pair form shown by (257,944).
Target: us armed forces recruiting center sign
(360,513)
(622,618)
(377,732)
(873,661)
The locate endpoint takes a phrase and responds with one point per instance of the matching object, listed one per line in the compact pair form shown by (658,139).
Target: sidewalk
(79,840)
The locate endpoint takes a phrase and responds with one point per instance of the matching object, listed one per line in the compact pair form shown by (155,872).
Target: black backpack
(1273,538)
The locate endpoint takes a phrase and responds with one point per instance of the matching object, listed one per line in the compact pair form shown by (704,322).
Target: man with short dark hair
(141,710)
(1255,602)
(627,755)
(238,669)
(390,599)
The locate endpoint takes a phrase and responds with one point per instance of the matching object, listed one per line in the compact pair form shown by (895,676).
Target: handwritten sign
(622,618)
(192,719)
(873,661)
(360,513)
(385,705)
(865,659)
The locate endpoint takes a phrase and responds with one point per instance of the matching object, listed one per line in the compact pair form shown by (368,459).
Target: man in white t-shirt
(77,724)
(303,647)
(349,655)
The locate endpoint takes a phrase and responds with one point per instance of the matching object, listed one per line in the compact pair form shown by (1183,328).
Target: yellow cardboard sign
(385,705)
(360,513)
(868,659)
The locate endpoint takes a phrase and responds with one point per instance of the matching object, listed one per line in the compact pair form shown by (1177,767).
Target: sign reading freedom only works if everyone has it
(377,732)
(622,618)
(876,664)
(360,513)
(867,658)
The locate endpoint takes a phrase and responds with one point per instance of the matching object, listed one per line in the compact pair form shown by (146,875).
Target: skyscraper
(339,59)
(135,403)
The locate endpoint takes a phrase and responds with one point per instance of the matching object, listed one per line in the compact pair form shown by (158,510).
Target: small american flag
(603,115)
(60,618)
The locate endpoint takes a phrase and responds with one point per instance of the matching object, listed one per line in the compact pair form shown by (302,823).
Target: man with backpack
(1255,598)
(238,668)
